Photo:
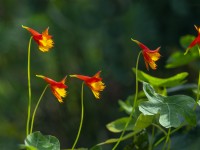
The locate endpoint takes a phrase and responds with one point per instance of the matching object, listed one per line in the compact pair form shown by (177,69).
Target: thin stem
(81,122)
(152,137)
(160,128)
(198,87)
(134,103)
(167,139)
(29,86)
(36,107)
(173,131)
(136,80)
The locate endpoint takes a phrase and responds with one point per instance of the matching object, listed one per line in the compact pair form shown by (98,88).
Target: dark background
(89,35)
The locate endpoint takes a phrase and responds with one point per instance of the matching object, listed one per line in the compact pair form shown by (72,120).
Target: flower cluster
(45,43)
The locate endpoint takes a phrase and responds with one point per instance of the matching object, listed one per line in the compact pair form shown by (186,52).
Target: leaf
(173,110)
(125,106)
(119,124)
(114,140)
(186,40)
(178,59)
(22,146)
(41,142)
(162,82)
(140,142)
(143,121)
(96,148)
(189,86)
(198,102)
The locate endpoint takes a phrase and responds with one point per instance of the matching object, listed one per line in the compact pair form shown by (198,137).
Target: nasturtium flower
(57,88)
(196,41)
(150,56)
(43,40)
(94,83)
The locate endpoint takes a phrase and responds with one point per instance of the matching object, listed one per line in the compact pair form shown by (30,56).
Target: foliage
(37,141)
(97,36)
(171,109)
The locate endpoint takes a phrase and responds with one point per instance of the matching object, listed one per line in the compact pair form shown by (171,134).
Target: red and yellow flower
(150,56)
(57,88)
(43,40)
(94,83)
(196,41)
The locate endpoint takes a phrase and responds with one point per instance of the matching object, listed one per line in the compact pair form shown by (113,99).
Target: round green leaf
(173,110)
(42,142)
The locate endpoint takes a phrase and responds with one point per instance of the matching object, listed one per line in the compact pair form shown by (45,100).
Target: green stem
(29,87)
(134,103)
(81,122)
(173,131)
(152,138)
(36,107)
(198,87)
(114,140)
(167,139)
(160,128)
(136,80)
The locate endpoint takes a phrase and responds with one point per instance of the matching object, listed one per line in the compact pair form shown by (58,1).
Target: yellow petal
(96,94)
(154,56)
(98,86)
(153,65)
(61,91)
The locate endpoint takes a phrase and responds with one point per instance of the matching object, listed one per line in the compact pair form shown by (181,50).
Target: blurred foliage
(89,36)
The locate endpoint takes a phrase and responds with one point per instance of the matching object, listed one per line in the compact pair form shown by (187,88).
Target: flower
(44,40)
(150,56)
(94,83)
(57,88)
(196,41)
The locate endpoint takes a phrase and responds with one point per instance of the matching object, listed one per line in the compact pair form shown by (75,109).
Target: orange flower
(196,41)
(150,56)
(94,83)
(57,88)
(44,40)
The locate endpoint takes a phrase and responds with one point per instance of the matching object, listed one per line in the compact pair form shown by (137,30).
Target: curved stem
(198,87)
(136,80)
(134,103)
(36,107)
(81,122)
(29,86)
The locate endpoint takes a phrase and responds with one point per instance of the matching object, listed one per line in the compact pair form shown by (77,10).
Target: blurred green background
(89,35)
